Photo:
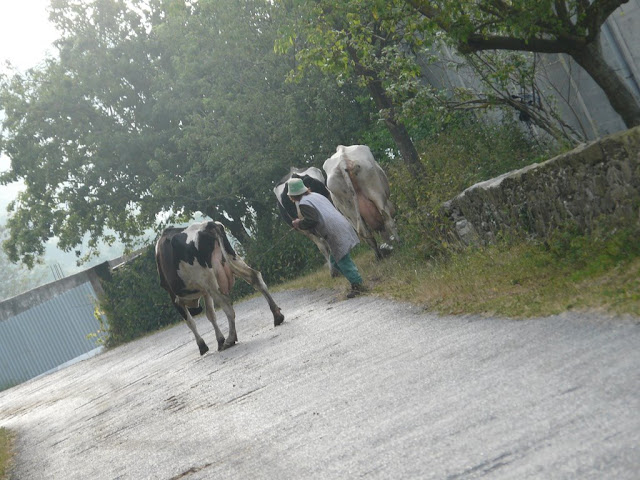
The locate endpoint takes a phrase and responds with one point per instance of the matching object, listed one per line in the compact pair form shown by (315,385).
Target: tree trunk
(398,130)
(614,87)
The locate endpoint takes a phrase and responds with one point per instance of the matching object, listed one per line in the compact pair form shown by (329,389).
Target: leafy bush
(461,151)
(284,257)
(604,248)
(134,302)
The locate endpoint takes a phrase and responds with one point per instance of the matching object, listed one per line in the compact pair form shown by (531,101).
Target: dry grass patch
(521,280)
(6,452)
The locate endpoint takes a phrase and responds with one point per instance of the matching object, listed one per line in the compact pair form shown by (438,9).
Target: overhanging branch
(476,43)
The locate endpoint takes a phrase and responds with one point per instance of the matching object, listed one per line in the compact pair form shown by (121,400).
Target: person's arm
(310,219)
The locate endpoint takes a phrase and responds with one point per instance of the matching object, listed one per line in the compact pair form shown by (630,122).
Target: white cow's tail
(343,165)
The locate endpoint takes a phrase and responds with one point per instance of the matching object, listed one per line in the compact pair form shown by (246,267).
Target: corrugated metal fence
(49,326)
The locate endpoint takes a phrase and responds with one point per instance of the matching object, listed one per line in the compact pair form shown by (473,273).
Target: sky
(26,36)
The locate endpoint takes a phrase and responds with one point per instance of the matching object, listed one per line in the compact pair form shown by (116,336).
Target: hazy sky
(25,38)
(25,32)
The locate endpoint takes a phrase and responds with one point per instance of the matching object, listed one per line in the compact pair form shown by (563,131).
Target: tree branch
(476,43)
(597,13)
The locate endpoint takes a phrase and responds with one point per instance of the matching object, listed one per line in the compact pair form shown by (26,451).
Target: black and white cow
(198,261)
(313,178)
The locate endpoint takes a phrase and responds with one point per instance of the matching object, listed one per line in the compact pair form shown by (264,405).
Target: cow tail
(226,244)
(344,169)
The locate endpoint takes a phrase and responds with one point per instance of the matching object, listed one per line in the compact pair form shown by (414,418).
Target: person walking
(317,213)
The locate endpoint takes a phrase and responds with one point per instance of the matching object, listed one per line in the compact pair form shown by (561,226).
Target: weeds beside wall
(458,152)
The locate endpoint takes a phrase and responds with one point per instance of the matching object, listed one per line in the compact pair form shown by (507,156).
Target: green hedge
(134,302)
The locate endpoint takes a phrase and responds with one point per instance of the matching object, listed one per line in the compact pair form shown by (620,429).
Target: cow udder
(224,276)
(370,213)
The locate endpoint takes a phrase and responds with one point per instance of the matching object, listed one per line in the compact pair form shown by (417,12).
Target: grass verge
(585,273)
(6,452)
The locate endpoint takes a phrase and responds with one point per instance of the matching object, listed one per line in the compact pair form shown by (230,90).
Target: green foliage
(596,252)
(366,42)
(134,302)
(461,150)
(16,278)
(6,452)
(160,107)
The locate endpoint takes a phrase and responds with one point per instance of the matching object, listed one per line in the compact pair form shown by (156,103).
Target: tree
(362,40)
(244,127)
(16,279)
(571,27)
(76,130)
(160,107)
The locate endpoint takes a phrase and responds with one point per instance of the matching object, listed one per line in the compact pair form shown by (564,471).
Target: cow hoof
(278,318)
(385,250)
(203,348)
(225,346)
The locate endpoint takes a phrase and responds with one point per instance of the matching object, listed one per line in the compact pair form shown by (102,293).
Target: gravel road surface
(343,389)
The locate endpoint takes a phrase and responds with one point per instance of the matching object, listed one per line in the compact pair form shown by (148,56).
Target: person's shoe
(356,289)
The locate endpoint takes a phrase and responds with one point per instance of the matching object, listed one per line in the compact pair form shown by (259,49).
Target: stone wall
(597,179)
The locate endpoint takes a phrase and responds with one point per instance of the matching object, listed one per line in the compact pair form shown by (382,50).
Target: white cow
(360,191)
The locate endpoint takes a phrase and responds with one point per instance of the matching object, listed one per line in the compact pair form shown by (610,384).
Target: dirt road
(344,389)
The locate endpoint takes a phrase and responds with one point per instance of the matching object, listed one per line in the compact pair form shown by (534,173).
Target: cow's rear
(360,190)
(198,262)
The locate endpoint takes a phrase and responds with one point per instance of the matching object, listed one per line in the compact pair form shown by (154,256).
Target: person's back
(332,225)
(317,213)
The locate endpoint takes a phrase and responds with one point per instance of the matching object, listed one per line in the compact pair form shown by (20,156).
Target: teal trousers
(347,268)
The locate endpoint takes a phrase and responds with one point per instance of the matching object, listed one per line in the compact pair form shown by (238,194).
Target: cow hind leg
(378,218)
(211,315)
(184,311)
(367,235)
(232,339)
(390,232)
(254,278)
